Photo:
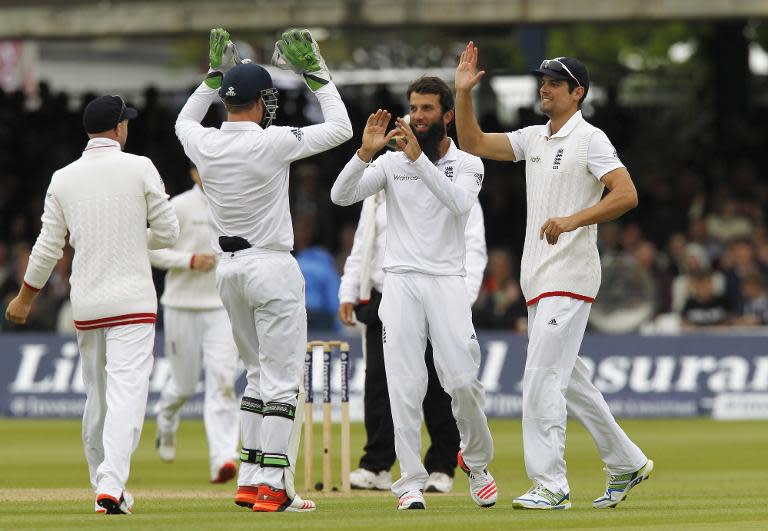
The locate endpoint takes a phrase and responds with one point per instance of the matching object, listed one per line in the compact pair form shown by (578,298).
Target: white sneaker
(439,482)
(165,442)
(539,497)
(362,478)
(413,499)
(106,504)
(482,486)
(618,486)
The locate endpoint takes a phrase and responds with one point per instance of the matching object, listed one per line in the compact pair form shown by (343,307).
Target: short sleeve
(518,139)
(601,156)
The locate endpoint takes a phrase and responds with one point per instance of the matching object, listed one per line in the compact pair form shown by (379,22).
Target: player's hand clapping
(406,140)
(467,75)
(375,135)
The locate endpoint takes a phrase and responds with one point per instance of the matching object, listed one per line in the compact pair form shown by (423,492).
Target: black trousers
(379,451)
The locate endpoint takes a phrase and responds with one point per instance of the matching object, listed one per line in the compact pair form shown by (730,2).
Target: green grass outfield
(708,475)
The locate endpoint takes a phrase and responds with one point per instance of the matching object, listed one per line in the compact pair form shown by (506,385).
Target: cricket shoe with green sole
(618,486)
(540,497)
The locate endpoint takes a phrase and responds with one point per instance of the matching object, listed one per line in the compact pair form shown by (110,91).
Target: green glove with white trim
(297,50)
(222,55)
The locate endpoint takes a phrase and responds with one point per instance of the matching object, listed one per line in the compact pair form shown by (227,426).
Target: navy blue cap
(567,68)
(244,83)
(105,112)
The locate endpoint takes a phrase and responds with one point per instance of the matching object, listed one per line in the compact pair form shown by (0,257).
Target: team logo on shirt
(558,159)
(449,172)
(298,133)
(478,178)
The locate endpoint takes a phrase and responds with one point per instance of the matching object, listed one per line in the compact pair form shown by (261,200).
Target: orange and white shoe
(482,486)
(226,472)
(246,495)
(106,504)
(270,500)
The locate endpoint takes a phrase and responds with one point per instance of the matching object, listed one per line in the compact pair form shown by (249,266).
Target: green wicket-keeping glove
(222,55)
(297,50)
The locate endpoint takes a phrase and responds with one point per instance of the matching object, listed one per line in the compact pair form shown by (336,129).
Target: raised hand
(297,50)
(375,135)
(406,140)
(467,75)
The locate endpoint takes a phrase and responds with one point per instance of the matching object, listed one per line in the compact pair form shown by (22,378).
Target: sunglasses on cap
(556,66)
(122,109)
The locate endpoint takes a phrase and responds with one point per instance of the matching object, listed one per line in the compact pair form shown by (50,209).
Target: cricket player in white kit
(568,164)
(431,187)
(197,335)
(105,199)
(360,292)
(244,170)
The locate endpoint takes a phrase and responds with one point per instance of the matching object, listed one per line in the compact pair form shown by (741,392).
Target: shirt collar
(569,126)
(451,155)
(97,144)
(240,126)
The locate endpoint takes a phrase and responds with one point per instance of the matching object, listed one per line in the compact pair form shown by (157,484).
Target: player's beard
(429,140)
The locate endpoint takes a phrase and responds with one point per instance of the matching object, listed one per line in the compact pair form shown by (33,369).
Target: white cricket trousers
(116,363)
(196,339)
(415,307)
(557,382)
(263,292)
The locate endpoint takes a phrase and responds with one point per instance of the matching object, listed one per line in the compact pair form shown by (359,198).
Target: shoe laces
(542,492)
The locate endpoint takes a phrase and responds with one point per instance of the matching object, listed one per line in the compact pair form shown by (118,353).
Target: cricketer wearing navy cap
(566,68)
(569,163)
(105,113)
(248,82)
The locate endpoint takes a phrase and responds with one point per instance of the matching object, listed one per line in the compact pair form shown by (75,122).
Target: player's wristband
(213,79)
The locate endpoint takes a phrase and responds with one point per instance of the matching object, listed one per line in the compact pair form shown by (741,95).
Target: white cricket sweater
(562,177)
(186,288)
(477,256)
(105,200)
(244,168)
(427,206)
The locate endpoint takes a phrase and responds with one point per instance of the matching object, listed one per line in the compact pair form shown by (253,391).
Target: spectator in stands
(321,281)
(754,309)
(646,255)
(501,304)
(738,261)
(704,307)
(696,262)
(726,223)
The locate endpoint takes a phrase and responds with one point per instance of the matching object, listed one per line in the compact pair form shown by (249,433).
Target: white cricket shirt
(563,175)
(244,168)
(427,206)
(105,200)
(186,288)
(477,255)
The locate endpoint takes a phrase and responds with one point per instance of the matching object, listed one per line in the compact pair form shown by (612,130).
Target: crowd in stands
(700,240)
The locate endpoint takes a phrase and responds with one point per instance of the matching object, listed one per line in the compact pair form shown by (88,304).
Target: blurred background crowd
(685,106)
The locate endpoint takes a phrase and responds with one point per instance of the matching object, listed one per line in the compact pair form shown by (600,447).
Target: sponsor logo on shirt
(536,159)
(558,159)
(478,178)
(298,133)
(449,172)
(406,177)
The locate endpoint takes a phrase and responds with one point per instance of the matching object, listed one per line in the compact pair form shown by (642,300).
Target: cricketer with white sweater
(105,199)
